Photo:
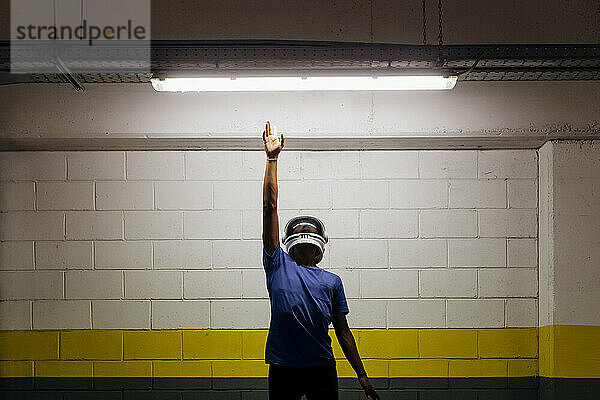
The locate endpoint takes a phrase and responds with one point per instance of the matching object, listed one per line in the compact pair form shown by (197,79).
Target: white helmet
(290,239)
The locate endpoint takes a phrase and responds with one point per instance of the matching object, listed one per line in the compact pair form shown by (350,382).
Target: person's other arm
(348,345)
(273,146)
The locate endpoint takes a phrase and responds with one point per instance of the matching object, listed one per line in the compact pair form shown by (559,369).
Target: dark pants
(290,383)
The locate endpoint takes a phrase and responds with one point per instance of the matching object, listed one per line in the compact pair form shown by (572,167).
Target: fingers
(268,128)
(264,136)
(282,140)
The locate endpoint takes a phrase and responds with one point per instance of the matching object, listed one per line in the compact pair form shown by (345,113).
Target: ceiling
(137,62)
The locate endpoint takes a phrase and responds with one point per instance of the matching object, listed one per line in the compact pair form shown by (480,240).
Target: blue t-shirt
(303,301)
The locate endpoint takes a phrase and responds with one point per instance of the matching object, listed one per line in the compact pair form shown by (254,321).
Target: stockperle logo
(51,36)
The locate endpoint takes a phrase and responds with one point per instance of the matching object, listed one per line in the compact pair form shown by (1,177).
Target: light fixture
(294,83)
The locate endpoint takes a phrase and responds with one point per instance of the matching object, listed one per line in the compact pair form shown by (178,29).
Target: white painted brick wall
(16,255)
(308,194)
(359,194)
(416,314)
(32,165)
(32,225)
(330,165)
(63,255)
(94,284)
(483,252)
(212,284)
(339,223)
(522,252)
(31,285)
(173,314)
(16,315)
(182,254)
(153,284)
(252,314)
(475,313)
(124,196)
(208,165)
(94,225)
(17,196)
(521,312)
(350,281)
(65,195)
(186,195)
(254,284)
(388,283)
(448,223)
(367,313)
(389,164)
(448,283)
(237,253)
(508,282)
(218,224)
(155,165)
(522,193)
(418,253)
(489,193)
(153,225)
(123,255)
(358,253)
(121,314)
(509,223)
(388,224)
(62,314)
(419,194)
(507,164)
(237,195)
(448,164)
(172,239)
(88,165)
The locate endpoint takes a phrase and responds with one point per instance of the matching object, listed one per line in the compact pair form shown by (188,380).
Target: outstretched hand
(273,145)
(368,388)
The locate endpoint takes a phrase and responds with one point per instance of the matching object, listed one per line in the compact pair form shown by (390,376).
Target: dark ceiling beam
(136,61)
(321,143)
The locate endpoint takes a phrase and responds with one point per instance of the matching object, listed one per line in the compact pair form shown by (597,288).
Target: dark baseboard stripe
(522,388)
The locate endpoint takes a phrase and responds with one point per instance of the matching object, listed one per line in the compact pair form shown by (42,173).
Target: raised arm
(273,145)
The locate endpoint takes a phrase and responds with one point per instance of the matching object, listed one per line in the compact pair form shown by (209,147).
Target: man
(304,300)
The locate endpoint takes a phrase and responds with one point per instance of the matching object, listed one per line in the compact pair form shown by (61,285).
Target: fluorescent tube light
(288,83)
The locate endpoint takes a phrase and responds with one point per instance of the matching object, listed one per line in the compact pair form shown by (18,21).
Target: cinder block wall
(153,240)
(569,250)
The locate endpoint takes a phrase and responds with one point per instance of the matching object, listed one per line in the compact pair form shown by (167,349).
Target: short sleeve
(272,261)
(339,298)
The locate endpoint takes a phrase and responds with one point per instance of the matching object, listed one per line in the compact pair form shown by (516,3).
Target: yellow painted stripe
(448,343)
(29,345)
(17,369)
(522,367)
(383,343)
(63,368)
(375,368)
(228,353)
(163,344)
(419,368)
(212,344)
(507,343)
(569,351)
(253,344)
(235,368)
(91,344)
